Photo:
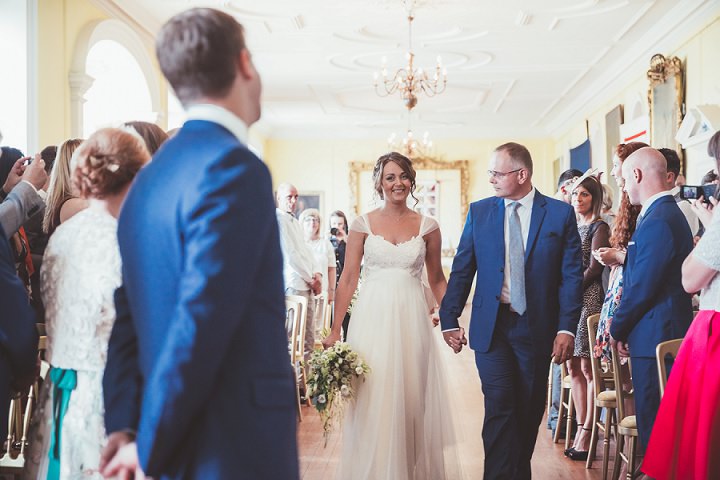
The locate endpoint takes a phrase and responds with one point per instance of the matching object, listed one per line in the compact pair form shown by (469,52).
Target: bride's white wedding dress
(399,426)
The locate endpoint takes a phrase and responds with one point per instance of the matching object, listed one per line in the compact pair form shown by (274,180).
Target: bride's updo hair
(107,162)
(403,162)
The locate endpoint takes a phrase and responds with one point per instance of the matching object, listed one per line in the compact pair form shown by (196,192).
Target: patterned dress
(592,295)
(601,349)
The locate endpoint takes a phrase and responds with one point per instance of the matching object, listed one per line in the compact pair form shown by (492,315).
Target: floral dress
(612,300)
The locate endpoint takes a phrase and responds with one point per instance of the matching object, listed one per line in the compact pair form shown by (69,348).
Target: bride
(399,426)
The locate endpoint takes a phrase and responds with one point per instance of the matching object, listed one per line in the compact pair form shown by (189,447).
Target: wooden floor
(319,462)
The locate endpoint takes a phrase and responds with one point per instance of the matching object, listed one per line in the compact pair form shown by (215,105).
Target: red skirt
(685,441)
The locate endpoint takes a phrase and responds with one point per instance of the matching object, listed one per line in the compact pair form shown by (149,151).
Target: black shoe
(568,451)
(577,455)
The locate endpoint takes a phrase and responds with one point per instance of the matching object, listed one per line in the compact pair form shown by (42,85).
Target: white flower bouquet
(330,381)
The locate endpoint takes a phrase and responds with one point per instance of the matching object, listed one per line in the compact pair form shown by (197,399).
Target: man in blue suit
(18,335)
(525,249)
(654,306)
(198,361)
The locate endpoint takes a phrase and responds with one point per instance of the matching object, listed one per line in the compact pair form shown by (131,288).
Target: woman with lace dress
(81,270)
(398,427)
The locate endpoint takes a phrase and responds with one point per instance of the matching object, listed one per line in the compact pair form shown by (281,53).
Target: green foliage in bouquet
(330,381)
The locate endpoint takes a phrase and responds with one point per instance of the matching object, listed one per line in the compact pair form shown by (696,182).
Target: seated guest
(684,441)
(62,200)
(80,273)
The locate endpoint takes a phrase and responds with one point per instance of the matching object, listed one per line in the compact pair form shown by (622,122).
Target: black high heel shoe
(577,454)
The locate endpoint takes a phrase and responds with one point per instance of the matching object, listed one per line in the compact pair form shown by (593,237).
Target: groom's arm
(570,291)
(461,278)
(225,233)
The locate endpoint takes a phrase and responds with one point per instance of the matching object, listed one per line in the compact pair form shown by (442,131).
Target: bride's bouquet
(330,380)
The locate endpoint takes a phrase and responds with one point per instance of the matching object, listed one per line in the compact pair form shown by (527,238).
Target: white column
(79,84)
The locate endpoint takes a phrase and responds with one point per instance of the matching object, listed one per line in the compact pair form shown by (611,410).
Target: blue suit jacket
(553,272)
(654,306)
(198,358)
(18,335)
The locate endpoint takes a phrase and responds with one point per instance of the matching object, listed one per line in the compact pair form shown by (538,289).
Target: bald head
(287,196)
(645,174)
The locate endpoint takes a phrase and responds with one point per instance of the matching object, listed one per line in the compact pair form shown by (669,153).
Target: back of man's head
(673,164)
(569,175)
(198,51)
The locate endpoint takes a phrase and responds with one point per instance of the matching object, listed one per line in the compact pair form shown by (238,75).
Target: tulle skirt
(399,426)
(685,441)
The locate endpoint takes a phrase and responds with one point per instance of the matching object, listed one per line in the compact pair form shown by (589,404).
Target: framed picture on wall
(309,200)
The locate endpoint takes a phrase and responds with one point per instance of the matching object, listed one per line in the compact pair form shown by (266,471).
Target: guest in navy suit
(654,306)
(198,363)
(18,335)
(525,249)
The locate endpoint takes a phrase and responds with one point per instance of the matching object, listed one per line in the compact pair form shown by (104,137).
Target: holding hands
(119,458)
(455,339)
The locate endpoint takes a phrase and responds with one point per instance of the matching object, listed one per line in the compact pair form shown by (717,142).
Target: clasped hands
(455,339)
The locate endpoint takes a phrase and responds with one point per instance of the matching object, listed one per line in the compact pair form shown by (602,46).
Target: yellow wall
(323,165)
(701,56)
(59,23)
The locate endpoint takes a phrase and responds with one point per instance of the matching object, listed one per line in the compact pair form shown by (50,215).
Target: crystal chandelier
(410,146)
(409,81)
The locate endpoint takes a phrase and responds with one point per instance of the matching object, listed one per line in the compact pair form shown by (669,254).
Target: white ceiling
(520,68)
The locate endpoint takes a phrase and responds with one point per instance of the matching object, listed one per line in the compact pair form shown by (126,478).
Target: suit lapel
(536,219)
(497,224)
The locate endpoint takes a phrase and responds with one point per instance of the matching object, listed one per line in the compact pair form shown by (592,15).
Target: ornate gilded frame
(666,100)
(419,163)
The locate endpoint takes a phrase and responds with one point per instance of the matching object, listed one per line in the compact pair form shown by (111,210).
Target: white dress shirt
(647,203)
(524,212)
(299,263)
(221,116)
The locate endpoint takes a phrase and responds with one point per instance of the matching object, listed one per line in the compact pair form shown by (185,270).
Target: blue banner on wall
(580,156)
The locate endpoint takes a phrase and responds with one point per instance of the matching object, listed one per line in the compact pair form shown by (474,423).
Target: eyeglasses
(494,174)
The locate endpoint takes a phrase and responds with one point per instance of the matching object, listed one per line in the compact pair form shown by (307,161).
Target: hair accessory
(591,172)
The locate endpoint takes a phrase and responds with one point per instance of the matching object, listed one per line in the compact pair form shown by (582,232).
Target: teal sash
(64,382)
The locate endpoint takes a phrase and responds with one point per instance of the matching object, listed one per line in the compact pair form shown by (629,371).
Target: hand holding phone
(691,192)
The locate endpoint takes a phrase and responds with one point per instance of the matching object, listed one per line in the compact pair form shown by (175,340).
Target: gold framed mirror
(443,189)
(666,100)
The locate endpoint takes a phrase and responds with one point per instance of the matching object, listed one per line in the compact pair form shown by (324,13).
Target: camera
(333,231)
(690,192)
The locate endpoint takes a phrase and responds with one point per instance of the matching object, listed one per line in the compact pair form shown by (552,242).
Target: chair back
(664,349)
(620,393)
(320,304)
(296,317)
(603,378)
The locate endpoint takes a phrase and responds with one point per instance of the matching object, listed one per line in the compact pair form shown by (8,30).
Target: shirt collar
(526,201)
(221,116)
(675,191)
(652,200)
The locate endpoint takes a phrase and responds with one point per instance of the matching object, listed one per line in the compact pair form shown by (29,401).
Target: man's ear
(638,175)
(245,66)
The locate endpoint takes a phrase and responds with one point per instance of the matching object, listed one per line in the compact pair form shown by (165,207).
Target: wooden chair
(296,316)
(318,322)
(664,349)
(626,425)
(605,397)
(22,407)
(566,408)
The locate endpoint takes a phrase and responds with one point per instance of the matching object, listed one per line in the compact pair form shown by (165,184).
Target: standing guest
(709,177)
(338,237)
(20,194)
(18,335)
(62,199)
(198,381)
(684,441)
(608,215)
(80,273)
(525,249)
(654,307)
(153,135)
(673,171)
(302,273)
(587,197)
(324,254)
(565,183)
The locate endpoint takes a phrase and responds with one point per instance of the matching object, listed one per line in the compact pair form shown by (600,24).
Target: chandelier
(410,146)
(409,81)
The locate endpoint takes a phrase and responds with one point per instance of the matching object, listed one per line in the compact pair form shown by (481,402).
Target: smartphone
(333,231)
(690,192)
(28,161)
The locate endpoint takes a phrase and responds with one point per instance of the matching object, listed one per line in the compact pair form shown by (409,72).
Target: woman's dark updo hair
(107,162)
(403,162)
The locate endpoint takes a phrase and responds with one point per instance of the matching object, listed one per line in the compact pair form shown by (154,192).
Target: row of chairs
(610,395)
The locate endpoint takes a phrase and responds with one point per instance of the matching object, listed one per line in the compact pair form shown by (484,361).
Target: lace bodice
(381,254)
(80,272)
